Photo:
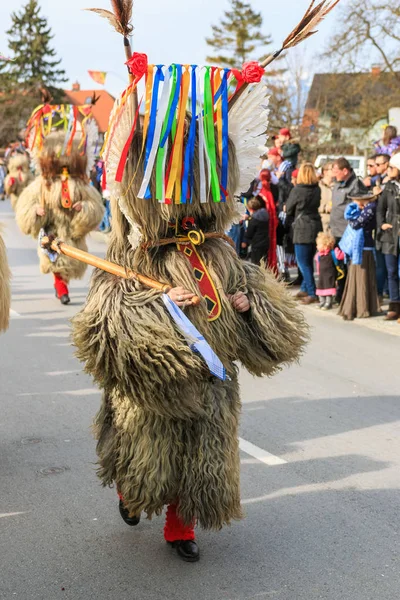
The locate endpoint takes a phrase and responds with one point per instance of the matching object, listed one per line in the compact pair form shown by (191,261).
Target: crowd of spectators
(340,230)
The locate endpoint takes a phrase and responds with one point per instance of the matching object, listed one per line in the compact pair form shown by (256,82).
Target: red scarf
(268,198)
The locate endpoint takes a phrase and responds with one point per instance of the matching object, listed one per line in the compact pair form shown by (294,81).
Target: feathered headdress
(73,127)
(183,151)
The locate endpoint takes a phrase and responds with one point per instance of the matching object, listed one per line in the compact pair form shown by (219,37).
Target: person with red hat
(290,148)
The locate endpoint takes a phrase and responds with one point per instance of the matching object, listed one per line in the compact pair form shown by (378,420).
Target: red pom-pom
(252,72)
(138,64)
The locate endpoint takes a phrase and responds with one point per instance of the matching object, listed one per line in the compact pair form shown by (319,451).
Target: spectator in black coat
(303,205)
(388,230)
(257,233)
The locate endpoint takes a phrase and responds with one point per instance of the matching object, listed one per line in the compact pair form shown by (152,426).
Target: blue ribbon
(174,106)
(187,179)
(225,134)
(195,340)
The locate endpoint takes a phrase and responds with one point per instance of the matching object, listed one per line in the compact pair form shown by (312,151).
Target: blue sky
(167,30)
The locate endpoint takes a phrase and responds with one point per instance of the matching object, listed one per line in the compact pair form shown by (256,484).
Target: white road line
(56,373)
(14,314)
(83,392)
(12,514)
(260,454)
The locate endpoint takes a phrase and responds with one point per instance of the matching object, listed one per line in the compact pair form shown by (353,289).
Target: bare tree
(368,33)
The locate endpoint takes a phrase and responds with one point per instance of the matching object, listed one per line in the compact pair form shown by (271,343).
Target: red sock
(60,285)
(175,529)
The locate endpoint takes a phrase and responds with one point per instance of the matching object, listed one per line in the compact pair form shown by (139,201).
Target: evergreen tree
(34,65)
(237,36)
(34,58)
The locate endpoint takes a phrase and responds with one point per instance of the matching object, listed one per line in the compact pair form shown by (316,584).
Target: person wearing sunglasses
(373,176)
(388,226)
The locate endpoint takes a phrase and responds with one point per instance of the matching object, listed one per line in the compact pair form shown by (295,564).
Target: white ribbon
(161,112)
(204,183)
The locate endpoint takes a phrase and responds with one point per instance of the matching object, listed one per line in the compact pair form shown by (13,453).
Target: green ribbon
(209,136)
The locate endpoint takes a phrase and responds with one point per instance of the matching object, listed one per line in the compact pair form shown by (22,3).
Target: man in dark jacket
(257,233)
(346,186)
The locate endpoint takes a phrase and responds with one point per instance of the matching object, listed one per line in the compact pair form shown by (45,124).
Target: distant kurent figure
(19,176)
(167,429)
(61,203)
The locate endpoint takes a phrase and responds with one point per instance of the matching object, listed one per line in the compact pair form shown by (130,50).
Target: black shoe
(188,550)
(65,299)
(296,282)
(131,521)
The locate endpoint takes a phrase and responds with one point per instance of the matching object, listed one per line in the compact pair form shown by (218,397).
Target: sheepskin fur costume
(167,430)
(19,176)
(67,224)
(5,291)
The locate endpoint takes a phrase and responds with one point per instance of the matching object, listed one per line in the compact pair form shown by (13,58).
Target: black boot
(187,550)
(65,299)
(131,521)
(394,311)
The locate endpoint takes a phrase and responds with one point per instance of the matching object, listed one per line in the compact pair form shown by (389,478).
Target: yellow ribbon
(174,181)
(149,88)
(218,110)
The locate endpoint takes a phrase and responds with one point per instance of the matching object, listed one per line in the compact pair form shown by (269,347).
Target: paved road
(322,522)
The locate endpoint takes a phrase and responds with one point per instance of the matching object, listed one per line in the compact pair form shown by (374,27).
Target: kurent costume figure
(167,429)
(61,201)
(5,291)
(19,176)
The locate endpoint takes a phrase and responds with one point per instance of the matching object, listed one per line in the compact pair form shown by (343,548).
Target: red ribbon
(125,151)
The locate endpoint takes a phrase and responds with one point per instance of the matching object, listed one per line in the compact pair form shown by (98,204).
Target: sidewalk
(376,323)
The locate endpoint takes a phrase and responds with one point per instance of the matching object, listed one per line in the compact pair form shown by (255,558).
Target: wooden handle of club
(109,267)
(128,55)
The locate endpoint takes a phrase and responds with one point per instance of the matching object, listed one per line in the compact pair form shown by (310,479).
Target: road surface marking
(83,392)
(14,514)
(14,314)
(56,373)
(260,454)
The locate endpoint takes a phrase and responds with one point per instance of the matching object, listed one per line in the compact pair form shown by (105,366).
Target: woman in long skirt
(360,299)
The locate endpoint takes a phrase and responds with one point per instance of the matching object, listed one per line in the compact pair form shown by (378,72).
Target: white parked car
(358,163)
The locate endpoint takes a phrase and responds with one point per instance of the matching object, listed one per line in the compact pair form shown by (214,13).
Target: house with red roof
(101,110)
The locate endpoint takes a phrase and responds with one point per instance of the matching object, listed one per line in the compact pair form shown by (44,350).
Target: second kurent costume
(63,182)
(18,178)
(5,290)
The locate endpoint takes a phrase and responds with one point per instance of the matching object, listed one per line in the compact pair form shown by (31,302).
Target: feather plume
(120,18)
(248,121)
(95,99)
(312,18)
(305,29)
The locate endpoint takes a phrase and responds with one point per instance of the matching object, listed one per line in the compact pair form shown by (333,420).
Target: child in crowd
(360,298)
(257,234)
(290,148)
(329,270)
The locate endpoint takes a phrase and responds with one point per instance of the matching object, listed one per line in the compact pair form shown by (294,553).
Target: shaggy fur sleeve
(92,210)
(274,331)
(5,291)
(25,214)
(129,345)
